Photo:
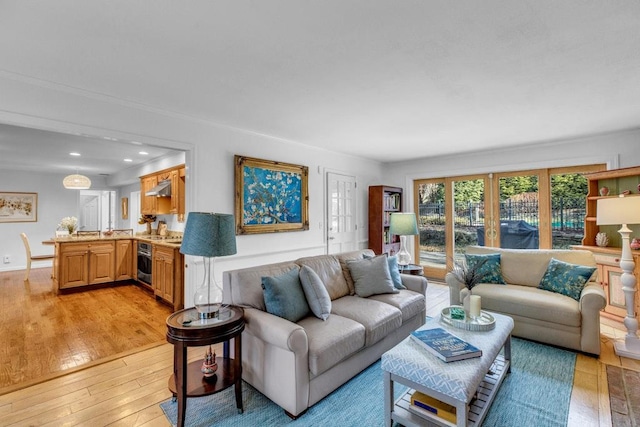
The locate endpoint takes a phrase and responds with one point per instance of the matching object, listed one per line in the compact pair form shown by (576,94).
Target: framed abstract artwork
(270,196)
(18,207)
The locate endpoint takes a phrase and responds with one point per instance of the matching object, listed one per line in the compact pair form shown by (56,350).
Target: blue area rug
(536,393)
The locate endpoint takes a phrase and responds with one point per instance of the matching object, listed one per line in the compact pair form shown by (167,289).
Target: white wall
(209,158)
(54,203)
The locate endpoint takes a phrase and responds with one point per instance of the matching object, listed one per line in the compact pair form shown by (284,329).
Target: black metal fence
(566,214)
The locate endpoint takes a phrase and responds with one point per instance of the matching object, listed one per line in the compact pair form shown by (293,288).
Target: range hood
(163,189)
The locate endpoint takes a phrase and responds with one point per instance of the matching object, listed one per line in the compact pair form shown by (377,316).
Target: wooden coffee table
(469,385)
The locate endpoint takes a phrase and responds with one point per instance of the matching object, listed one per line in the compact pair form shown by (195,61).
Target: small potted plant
(147,219)
(470,275)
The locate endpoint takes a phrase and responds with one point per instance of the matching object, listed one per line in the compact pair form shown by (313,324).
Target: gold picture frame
(18,207)
(270,196)
(125,207)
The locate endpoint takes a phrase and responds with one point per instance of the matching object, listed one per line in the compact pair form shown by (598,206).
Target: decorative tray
(485,322)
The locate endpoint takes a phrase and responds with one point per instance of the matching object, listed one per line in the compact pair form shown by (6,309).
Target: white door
(90,214)
(341,213)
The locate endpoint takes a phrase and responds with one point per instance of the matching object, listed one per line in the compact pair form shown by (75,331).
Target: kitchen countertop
(169,241)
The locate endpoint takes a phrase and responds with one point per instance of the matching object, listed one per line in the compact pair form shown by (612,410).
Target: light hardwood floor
(126,389)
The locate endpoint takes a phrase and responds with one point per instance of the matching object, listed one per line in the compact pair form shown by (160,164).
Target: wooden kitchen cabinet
(148,203)
(124,259)
(168,276)
(174,204)
(84,263)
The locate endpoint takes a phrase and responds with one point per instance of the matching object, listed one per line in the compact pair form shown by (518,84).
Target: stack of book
(445,345)
(427,406)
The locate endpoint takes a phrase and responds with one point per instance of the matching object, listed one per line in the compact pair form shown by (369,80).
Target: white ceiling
(384,79)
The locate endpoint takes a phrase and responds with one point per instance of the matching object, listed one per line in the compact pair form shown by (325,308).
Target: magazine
(445,345)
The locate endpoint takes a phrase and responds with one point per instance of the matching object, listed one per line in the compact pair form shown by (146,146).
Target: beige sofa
(538,314)
(297,364)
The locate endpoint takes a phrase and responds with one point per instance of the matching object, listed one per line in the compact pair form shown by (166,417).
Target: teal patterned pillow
(284,296)
(490,270)
(566,278)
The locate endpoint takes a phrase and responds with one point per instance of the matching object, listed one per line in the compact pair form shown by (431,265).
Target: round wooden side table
(185,329)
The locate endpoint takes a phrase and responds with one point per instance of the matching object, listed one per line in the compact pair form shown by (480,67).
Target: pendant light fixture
(76,182)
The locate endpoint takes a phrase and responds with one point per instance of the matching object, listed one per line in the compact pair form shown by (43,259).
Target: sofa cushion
(315,292)
(344,257)
(371,276)
(489,271)
(378,318)
(331,341)
(284,297)
(530,302)
(244,287)
(409,303)
(328,269)
(566,278)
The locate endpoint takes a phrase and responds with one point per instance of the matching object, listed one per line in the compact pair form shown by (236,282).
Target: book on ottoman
(445,345)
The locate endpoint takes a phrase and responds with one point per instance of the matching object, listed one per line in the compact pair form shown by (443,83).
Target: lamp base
(630,348)
(404,257)
(208,311)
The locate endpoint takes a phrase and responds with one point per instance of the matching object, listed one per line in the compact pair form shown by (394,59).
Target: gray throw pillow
(284,297)
(394,270)
(317,295)
(371,276)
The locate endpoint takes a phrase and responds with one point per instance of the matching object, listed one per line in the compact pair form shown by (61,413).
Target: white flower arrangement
(69,223)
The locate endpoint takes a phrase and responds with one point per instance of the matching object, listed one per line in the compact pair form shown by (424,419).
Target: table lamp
(208,235)
(403,225)
(622,211)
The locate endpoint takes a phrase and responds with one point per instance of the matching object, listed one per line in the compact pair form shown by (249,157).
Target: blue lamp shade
(403,224)
(209,235)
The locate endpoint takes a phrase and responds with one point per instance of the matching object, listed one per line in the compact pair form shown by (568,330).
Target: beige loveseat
(538,314)
(297,364)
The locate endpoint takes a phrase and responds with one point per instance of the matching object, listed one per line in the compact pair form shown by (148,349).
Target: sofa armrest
(455,286)
(276,330)
(592,297)
(415,283)
(592,300)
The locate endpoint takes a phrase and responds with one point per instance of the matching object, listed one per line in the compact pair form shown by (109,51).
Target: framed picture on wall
(270,196)
(18,207)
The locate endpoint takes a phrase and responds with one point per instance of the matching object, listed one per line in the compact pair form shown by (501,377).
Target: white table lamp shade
(618,210)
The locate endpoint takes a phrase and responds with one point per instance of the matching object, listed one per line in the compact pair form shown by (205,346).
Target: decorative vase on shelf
(604,191)
(635,244)
(602,239)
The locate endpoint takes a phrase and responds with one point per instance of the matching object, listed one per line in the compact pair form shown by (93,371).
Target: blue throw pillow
(317,296)
(371,276)
(394,270)
(566,278)
(490,271)
(284,297)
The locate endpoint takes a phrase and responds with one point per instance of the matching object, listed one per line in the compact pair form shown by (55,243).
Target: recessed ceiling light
(144,153)
(108,138)
(74,154)
(128,160)
(136,143)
